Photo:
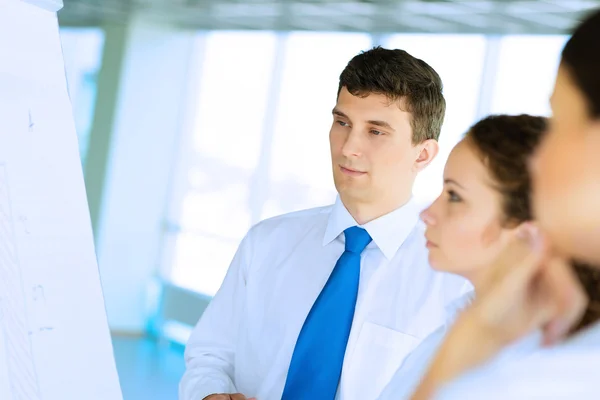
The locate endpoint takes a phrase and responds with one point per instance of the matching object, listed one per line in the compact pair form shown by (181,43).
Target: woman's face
(566,174)
(464,224)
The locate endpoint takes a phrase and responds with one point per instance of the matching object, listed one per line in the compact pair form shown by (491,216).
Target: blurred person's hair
(581,57)
(505,143)
(405,80)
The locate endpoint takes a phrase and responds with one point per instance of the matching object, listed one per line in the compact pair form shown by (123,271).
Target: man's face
(373,157)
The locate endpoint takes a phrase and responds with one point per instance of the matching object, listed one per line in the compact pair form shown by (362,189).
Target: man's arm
(210,351)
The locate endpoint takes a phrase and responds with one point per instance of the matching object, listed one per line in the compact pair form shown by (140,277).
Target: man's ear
(426,152)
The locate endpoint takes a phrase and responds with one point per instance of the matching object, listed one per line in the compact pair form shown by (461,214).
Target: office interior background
(198,118)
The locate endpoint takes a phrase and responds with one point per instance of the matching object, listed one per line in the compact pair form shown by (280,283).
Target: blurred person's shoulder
(565,371)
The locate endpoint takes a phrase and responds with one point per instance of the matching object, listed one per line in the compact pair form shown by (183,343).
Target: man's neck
(367,212)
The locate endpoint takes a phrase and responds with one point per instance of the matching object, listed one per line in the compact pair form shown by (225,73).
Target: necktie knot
(357,239)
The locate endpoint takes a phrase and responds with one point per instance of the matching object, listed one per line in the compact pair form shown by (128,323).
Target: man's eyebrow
(382,124)
(339,113)
(375,122)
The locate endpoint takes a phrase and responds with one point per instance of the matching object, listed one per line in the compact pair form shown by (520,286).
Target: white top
(409,374)
(245,338)
(567,371)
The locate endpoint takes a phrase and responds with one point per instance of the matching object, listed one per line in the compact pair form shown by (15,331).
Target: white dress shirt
(567,371)
(245,338)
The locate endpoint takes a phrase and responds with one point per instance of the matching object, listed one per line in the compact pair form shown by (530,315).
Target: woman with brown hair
(486,198)
(531,286)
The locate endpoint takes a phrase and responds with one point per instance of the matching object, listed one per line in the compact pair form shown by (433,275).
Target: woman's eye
(453,197)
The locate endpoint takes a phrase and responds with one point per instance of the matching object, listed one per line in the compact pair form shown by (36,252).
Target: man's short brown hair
(401,77)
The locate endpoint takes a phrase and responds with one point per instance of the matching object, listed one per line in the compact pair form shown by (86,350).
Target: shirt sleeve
(210,351)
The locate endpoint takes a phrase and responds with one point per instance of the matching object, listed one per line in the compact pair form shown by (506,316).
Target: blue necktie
(318,357)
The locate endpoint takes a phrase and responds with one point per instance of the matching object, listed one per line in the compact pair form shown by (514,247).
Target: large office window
(225,149)
(525,74)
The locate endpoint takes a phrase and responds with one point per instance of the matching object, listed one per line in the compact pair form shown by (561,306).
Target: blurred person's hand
(225,396)
(526,289)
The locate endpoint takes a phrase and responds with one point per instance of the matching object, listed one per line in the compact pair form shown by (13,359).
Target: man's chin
(354,194)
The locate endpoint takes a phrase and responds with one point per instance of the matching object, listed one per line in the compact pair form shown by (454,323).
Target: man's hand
(224,396)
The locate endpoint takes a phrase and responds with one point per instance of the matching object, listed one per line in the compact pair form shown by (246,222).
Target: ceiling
(435,16)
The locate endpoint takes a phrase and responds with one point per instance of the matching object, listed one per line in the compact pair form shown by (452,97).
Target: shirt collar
(388,231)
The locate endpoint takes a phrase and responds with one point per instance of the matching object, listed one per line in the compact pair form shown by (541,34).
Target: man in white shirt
(326,303)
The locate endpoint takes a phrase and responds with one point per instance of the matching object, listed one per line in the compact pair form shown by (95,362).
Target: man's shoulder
(294,216)
(291,223)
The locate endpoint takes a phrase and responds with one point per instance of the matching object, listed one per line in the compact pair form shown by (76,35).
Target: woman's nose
(427,216)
